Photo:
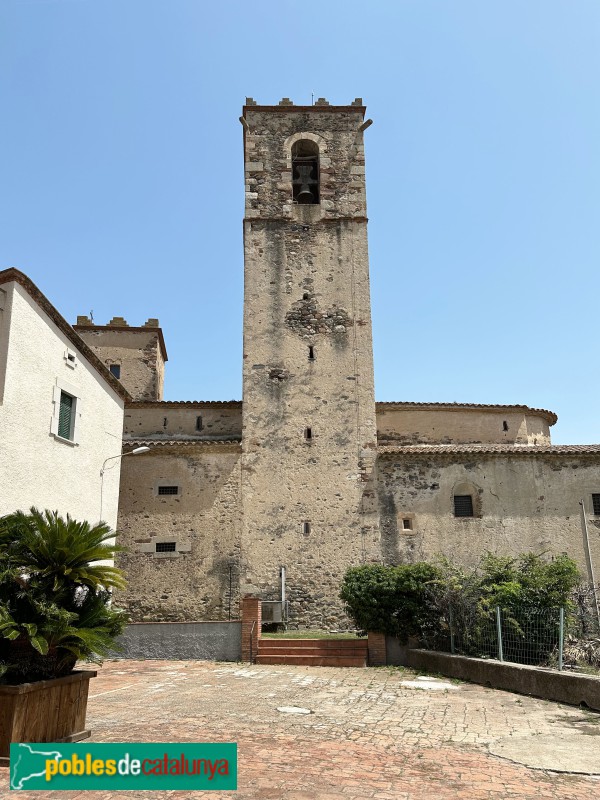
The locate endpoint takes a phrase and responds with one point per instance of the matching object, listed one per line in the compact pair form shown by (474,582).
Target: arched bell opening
(305,172)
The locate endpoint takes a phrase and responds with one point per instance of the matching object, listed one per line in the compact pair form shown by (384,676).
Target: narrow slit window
(311,353)
(463,505)
(166,547)
(164,422)
(199,425)
(168,490)
(596,504)
(305,172)
(306,528)
(308,434)
(505,425)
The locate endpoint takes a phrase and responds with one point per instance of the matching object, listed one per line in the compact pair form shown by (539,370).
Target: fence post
(450,621)
(499,629)
(561,636)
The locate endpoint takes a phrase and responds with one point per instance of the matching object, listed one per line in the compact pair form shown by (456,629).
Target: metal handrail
(251,640)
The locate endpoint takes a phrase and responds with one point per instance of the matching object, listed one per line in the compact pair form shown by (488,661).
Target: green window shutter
(65,416)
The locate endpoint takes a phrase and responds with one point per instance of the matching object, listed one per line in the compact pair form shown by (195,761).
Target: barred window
(170,490)
(463,505)
(596,504)
(166,547)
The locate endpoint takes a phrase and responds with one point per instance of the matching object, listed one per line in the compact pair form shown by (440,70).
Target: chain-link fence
(523,634)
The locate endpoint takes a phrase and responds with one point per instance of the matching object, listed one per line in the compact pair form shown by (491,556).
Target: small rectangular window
(407,524)
(596,504)
(116,370)
(463,505)
(166,547)
(70,358)
(311,353)
(171,490)
(66,416)
(308,434)
(306,528)
(199,423)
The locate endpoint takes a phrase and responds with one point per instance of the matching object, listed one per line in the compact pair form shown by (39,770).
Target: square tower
(309,431)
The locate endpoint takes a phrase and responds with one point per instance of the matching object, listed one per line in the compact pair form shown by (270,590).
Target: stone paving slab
(368,736)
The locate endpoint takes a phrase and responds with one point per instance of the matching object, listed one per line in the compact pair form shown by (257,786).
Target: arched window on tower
(305,172)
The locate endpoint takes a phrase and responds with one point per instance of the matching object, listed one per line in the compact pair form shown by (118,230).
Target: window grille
(596,504)
(168,490)
(166,547)
(463,505)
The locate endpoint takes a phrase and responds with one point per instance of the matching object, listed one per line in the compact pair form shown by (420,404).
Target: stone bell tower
(309,431)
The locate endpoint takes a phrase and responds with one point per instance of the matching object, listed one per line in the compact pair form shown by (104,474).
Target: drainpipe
(588,558)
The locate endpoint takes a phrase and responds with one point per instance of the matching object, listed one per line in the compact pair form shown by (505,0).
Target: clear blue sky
(122,187)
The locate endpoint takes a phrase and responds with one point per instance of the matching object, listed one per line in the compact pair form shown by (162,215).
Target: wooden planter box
(44,711)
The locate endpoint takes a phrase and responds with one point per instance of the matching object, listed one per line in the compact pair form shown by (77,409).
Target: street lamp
(134,452)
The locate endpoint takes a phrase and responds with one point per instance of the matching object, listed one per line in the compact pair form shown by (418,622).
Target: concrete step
(323,644)
(313,652)
(312,660)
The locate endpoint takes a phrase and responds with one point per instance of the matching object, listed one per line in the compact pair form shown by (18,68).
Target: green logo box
(122,765)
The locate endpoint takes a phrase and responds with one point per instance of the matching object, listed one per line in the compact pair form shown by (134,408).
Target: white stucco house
(61,412)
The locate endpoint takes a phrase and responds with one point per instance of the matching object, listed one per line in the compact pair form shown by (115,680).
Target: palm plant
(55,594)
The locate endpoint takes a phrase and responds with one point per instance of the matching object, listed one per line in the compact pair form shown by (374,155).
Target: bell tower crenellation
(309,433)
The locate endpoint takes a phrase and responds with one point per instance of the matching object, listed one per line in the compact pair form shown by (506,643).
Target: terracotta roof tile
(235,444)
(500,449)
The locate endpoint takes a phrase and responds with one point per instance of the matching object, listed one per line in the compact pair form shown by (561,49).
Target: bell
(304,181)
(305,196)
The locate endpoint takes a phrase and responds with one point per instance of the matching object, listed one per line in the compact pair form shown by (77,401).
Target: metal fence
(549,637)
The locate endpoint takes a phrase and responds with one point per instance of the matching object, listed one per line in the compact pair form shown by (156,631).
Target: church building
(277,495)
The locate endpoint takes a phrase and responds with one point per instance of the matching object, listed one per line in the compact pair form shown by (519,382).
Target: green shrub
(389,600)
(424,600)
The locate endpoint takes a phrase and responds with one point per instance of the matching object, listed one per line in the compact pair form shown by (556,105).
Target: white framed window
(66,413)
(70,357)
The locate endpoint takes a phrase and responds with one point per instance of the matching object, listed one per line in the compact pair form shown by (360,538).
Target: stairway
(313,652)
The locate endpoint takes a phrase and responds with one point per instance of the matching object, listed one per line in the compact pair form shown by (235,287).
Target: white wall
(37,468)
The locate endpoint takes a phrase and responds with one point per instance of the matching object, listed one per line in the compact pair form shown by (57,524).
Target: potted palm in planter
(55,610)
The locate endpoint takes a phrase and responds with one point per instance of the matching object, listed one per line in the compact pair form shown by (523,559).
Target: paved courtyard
(382,733)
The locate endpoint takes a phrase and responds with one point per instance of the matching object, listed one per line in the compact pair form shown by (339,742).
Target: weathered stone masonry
(308,472)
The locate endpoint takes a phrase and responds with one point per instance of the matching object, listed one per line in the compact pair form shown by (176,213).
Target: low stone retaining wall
(205,641)
(562,687)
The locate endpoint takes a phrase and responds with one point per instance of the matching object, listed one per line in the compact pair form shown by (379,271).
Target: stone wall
(522,502)
(200,579)
(424,423)
(206,421)
(309,435)
(139,352)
